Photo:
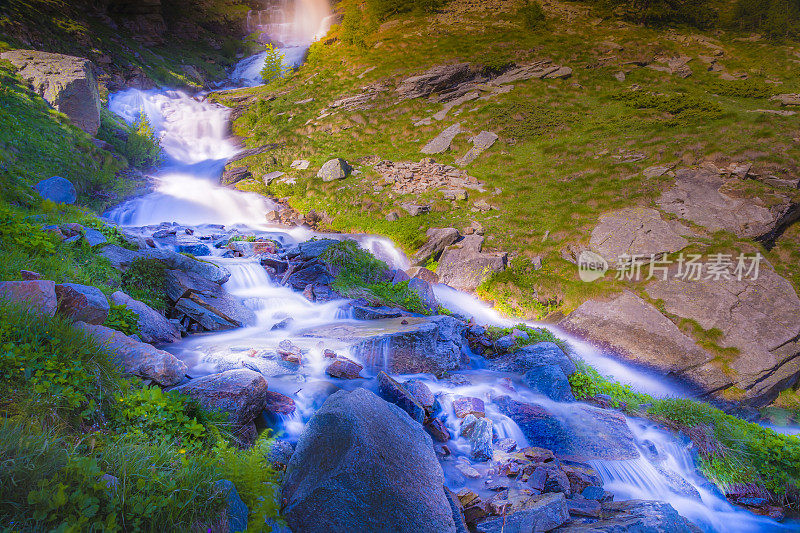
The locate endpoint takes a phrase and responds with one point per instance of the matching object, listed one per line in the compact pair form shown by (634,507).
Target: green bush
(142,149)
(777,19)
(16,233)
(145,280)
(532,15)
(167,416)
(682,107)
(274,66)
(123,319)
(749,88)
(535,335)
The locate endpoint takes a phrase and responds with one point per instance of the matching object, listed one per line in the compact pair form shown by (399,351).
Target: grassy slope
(557,165)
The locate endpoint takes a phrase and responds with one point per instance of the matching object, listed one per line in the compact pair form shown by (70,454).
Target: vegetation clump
(534,336)
(145,280)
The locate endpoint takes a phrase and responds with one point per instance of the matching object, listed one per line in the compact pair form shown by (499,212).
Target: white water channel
(186,191)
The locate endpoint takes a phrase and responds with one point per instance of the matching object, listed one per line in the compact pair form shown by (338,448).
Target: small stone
(290,352)
(272,176)
(344,368)
(467,470)
(335,169)
(506,445)
(300,164)
(619,76)
(466,405)
(329,354)
(438,430)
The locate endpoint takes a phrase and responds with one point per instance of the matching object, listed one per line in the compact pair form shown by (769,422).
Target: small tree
(142,147)
(274,66)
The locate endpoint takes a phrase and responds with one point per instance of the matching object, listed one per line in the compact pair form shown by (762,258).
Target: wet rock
(278,403)
(280,453)
(344,368)
(466,405)
(67,83)
(478,431)
(467,470)
(240,393)
(636,516)
(365,437)
(438,240)
(363,312)
(636,231)
(425,292)
(464,265)
(584,507)
(540,513)
(309,250)
(550,381)
(506,445)
(290,352)
(597,493)
(37,295)
(154,328)
(392,391)
(335,169)
(578,432)
(57,189)
(235,174)
(138,358)
(310,273)
(82,303)
(236,510)
(580,475)
(534,356)
(421,345)
(206,302)
(420,391)
(121,259)
(438,430)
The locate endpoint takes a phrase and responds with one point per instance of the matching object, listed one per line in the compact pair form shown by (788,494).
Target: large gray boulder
(421,345)
(37,295)
(240,393)
(362,464)
(759,319)
(121,259)
(573,431)
(700,196)
(335,169)
(67,83)
(464,265)
(154,328)
(635,231)
(82,303)
(137,358)
(206,302)
(57,189)
(438,240)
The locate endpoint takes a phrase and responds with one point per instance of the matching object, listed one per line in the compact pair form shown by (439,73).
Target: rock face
(82,303)
(635,231)
(58,190)
(422,345)
(354,437)
(698,195)
(138,358)
(206,302)
(240,393)
(464,265)
(438,240)
(437,79)
(577,432)
(758,317)
(67,83)
(38,295)
(154,328)
(635,329)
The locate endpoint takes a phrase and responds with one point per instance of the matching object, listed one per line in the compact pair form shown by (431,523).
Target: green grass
(535,335)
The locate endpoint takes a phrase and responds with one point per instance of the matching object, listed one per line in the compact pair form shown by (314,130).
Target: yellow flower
(182,450)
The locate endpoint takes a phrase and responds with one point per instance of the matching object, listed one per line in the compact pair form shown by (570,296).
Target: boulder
(478,431)
(67,83)
(574,431)
(37,295)
(635,231)
(308,250)
(441,143)
(365,438)
(121,259)
(82,303)
(236,510)
(637,331)
(464,266)
(438,240)
(240,393)
(335,169)
(138,358)
(154,328)
(635,516)
(758,318)
(466,405)
(310,273)
(544,512)
(480,143)
(534,356)
(57,189)
(344,368)
(424,274)
(424,290)
(392,391)
(277,403)
(93,237)
(550,381)
(421,345)
(700,196)
(420,391)
(206,302)
(363,312)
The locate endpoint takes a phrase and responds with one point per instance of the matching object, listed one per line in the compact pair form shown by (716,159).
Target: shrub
(699,13)
(145,280)
(383,9)
(532,15)
(142,148)
(16,233)
(749,88)
(682,107)
(777,19)
(123,319)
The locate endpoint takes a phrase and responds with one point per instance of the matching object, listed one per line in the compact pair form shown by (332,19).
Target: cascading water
(194,136)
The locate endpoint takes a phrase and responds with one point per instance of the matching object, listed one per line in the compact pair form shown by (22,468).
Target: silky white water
(186,190)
